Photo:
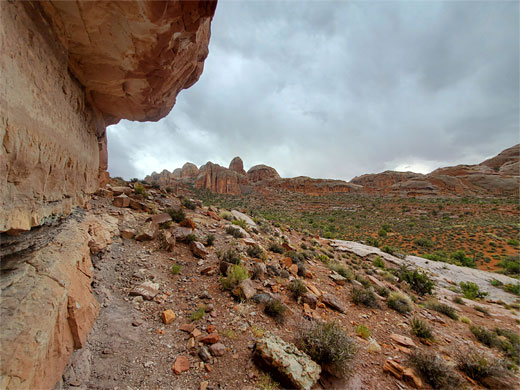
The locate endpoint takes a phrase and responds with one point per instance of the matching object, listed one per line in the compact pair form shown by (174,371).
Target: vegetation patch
(365,296)
(420,282)
(198,314)
(329,345)
(471,290)
(437,372)
(297,288)
(178,215)
(399,302)
(442,308)
(236,273)
(421,329)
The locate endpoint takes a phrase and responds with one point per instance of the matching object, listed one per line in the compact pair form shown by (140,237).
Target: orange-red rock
(168,316)
(181,365)
(188,222)
(211,338)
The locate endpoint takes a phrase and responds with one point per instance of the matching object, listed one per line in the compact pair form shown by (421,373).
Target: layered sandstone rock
(312,186)
(237,165)
(261,172)
(70,68)
(47,307)
(133,57)
(219,179)
(383,181)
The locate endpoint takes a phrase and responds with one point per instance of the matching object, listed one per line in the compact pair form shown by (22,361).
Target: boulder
(338,279)
(408,375)
(139,206)
(211,338)
(167,316)
(160,218)
(181,233)
(121,190)
(217,349)
(403,340)
(198,249)
(148,290)
(293,365)
(188,223)
(245,290)
(121,201)
(181,364)
(333,303)
(147,232)
(241,216)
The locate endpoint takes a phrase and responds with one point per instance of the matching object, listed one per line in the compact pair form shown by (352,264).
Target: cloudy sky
(337,89)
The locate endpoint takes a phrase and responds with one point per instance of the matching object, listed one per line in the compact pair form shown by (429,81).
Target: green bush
(399,303)
(255,251)
(379,262)
(210,239)
(512,288)
(363,331)
(485,336)
(297,288)
(365,296)
(226,215)
(457,299)
(372,242)
(198,314)
(382,291)
(276,248)
(342,270)
(423,242)
(479,365)
(389,249)
(235,232)
(140,190)
(176,269)
(241,223)
(421,329)
(231,255)
(511,265)
(438,373)
(188,204)
(236,273)
(442,308)
(381,233)
(418,281)
(471,290)
(177,215)
(276,309)
(328,345)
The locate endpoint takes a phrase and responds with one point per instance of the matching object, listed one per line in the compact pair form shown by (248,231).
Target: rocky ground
(166,321)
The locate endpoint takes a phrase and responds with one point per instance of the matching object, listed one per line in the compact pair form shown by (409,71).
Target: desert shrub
(198,314)
(324,259)
(210,239)
(466,320)
(379,262)
(421,329)
(296,257)
(140,190)
(189,204)
(437,372)
(276,309)
(226,215)
(364,281)
(276,248)
(328,344)
(372,242)
(363,331)
(479,365)
(418,281)
(132,180)
(458,300)
(297,288)
(496,283)
(423,242)
(442,308)
(481,309)
(513,242)
(231,255)
(191,238)
(177,215)
(511,265)
(169,190)
(235,232)
(155,185)
(365,296)
(471,290)
(382,291)
(460,258)
(255,251)
(389,249)
(240,222)
(485,336)
(381,233)
(236,273)
(342,270)
(512,288)
(509,343)
(176,269)
(399,302)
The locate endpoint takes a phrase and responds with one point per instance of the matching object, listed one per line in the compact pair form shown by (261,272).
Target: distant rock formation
(189,171)
(497,176)
(237,165)
(261,172)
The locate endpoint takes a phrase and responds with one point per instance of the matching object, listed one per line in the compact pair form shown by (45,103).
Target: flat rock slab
(403,340)
(333,303)
(238,215)
(148,290)
(292,364)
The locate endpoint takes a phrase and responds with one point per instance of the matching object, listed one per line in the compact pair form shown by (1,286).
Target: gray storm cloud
(338,89)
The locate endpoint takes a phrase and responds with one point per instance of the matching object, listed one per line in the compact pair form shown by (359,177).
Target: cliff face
(261,172)
(70,68)
(219,179)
